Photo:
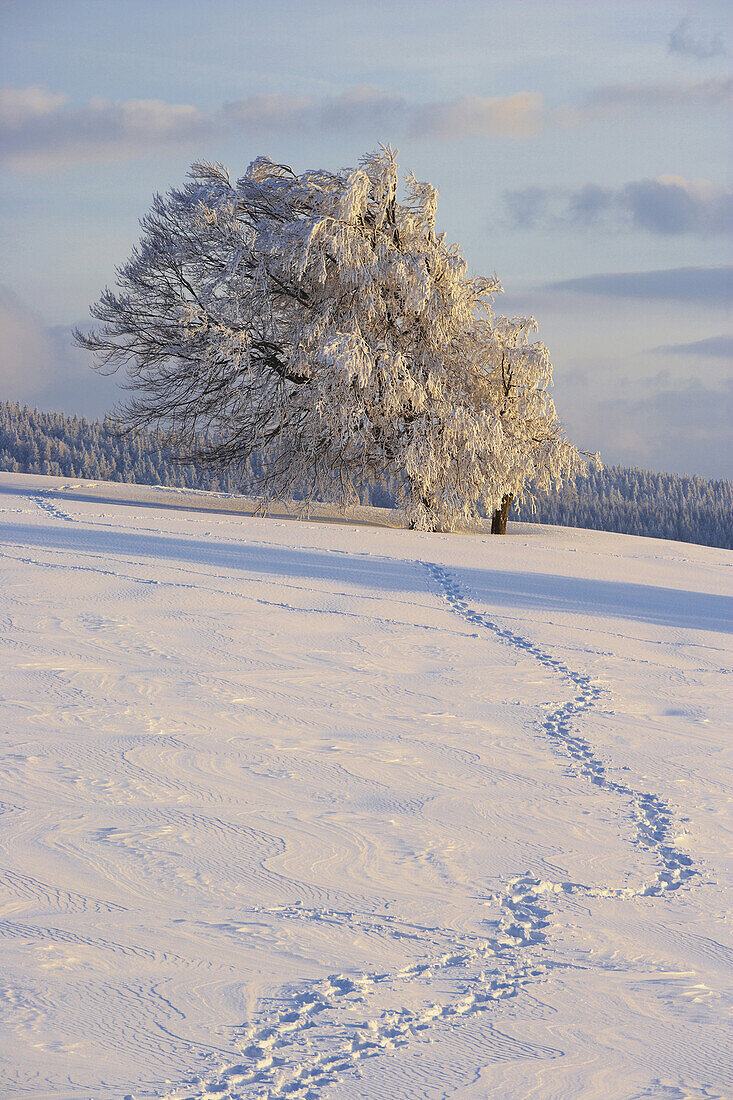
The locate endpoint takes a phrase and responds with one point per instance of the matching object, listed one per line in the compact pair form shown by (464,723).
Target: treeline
(638,502)
(628,500)
(33,442)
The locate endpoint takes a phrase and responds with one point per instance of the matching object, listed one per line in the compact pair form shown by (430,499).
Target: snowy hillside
(326,809)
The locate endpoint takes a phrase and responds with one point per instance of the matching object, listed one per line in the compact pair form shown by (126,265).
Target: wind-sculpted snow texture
(317,809)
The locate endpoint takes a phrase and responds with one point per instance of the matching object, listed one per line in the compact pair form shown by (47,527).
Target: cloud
(587,205)
(519,116)
(266,111)
(352,109)
(361,106)
(719,347)
(39,131)
(528,207)
(669,205)
(554,208)
(41,366)
(21,107)
(617,98)
(685,430)
(702,285)
(683,41)
(514,116)
(672,204)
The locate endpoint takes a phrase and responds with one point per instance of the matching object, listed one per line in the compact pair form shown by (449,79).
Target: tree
(320,321)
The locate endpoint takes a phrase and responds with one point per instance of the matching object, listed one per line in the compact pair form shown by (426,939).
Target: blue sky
(581,151)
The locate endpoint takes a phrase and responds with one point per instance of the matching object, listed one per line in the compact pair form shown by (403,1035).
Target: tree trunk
(428,503)
(499,518)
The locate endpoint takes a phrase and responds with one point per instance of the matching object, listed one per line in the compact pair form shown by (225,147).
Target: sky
(581,152)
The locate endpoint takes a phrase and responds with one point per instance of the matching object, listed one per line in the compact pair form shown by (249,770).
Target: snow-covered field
(318,809)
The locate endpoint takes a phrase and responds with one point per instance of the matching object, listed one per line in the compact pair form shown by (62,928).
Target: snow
(304,808)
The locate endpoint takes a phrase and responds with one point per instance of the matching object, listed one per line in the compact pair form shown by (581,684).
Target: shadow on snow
(497,588)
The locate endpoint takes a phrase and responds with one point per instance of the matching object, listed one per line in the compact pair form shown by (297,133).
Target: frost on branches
(320,321)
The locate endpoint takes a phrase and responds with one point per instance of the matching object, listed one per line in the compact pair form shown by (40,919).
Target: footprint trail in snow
(313,1037)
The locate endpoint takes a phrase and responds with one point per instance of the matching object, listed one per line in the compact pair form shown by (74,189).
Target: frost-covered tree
(636,502)
(535,448)
(320,320)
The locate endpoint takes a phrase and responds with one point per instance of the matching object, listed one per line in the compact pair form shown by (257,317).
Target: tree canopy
(320,320)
